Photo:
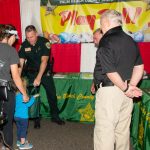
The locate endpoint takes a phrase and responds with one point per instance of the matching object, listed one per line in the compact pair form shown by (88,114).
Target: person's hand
(25,98)
(37,82)
(92,88)
(133,91)
(12,40)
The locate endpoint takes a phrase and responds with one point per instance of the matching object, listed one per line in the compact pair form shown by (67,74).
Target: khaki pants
(113,116)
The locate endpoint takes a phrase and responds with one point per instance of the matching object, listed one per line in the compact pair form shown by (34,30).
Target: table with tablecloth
(140,124)
(75,101)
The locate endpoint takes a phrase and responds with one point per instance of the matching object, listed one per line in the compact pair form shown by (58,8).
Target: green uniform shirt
(34,53)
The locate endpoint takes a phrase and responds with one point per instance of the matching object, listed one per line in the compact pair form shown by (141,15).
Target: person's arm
(135,78)
(130,90)
(93,88)
(43,66)
(117,80)
(22,60)
(18,81)
(31,101)
(137,74)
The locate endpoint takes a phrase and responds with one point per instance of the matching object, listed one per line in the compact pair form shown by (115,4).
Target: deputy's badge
(48,45)
(28,49)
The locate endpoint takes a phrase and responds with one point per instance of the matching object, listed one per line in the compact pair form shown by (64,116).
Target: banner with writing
(66,2)
(76,23)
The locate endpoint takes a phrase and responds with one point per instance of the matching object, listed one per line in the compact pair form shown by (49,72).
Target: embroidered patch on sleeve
(48,45)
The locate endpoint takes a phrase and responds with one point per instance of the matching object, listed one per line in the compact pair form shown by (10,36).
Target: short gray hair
(113,16)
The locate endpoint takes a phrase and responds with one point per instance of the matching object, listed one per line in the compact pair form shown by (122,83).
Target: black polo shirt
(119,53)
(34,53)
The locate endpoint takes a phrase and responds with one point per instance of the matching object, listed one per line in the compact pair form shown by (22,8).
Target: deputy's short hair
(30,28)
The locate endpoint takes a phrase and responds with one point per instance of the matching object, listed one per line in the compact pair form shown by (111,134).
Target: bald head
(110,19)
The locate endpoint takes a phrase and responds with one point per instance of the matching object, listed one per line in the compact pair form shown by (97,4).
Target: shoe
(37,123)
(18,143)
(37,126)
(26,145)
(58,121)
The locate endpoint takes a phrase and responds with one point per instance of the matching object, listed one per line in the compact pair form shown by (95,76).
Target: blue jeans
(22,126)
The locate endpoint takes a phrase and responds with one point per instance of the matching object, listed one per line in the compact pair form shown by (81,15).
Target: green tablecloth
(140,124)
(74,99)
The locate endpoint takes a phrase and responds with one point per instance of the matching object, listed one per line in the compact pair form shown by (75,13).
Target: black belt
(104,84)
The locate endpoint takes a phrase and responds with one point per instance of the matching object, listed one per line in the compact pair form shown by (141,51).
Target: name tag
(28,49)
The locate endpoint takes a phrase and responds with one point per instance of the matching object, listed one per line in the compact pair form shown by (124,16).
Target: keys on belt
(97,86)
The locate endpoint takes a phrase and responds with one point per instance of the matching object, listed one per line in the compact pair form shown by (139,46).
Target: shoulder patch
(48,45)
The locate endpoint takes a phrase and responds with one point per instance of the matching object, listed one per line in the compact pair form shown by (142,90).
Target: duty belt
(7,84)
(3,83)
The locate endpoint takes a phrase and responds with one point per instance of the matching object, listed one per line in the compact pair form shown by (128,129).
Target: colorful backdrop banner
(76,23)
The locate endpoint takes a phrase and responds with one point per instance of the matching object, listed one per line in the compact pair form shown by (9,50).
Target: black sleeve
(138,58)
(46,48)
(22,52)
(107,60)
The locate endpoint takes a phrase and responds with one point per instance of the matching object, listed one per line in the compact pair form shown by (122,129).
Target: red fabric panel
(145,53)
(10,14)
(66,57)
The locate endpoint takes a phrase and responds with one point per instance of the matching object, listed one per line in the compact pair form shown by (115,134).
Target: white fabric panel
(88,57)
(30,14)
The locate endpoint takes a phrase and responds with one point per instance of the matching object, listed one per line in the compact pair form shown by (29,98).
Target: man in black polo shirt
(119,60)
(34,54)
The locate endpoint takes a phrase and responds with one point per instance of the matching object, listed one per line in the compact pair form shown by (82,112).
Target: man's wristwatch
(126,88)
